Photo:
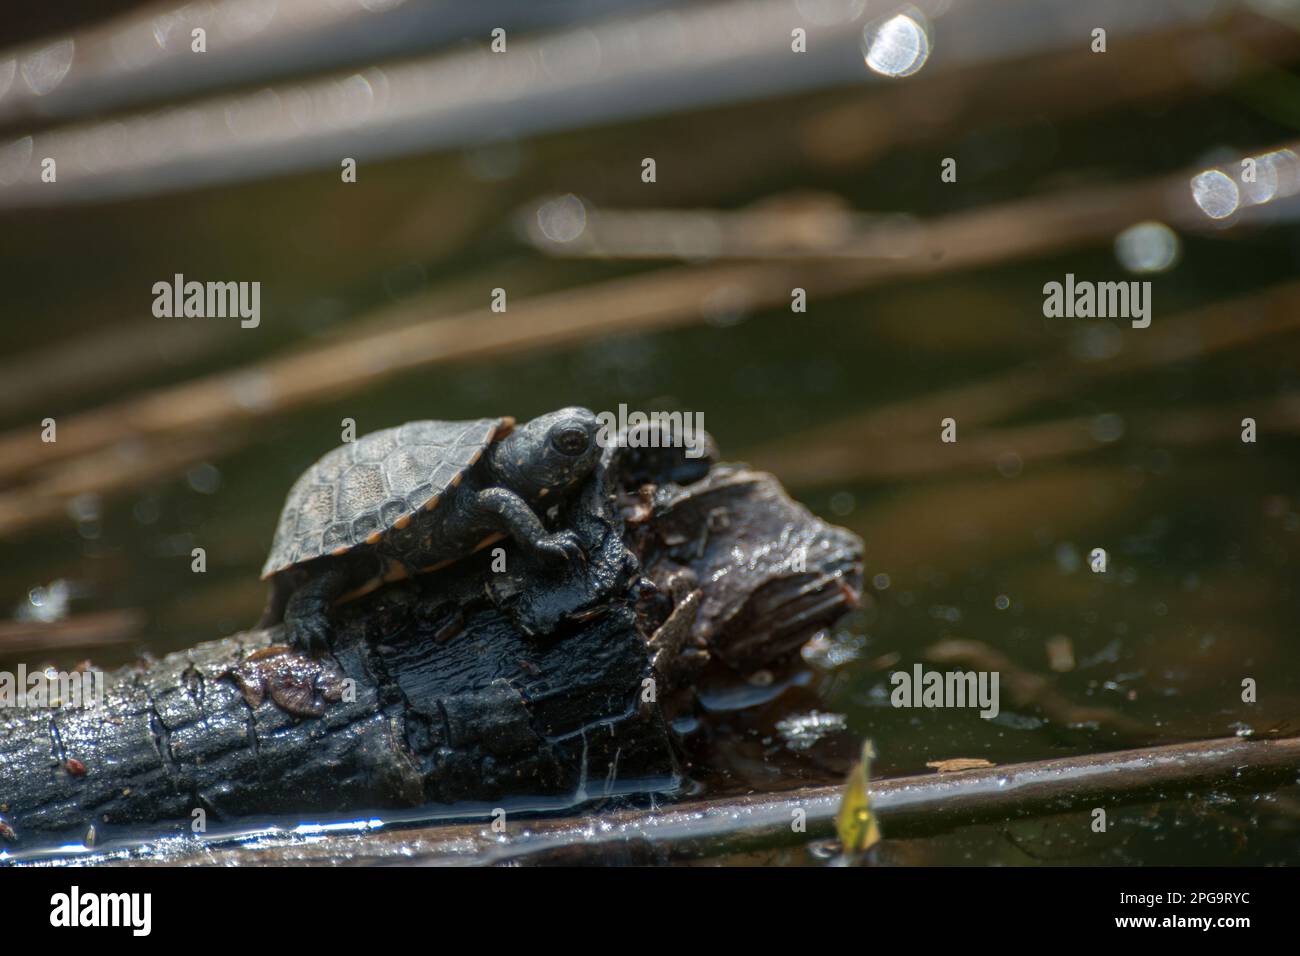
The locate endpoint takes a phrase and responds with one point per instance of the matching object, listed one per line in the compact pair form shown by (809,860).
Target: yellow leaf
(855,823)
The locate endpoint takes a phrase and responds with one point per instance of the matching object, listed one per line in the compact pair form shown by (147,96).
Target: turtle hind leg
(307,624)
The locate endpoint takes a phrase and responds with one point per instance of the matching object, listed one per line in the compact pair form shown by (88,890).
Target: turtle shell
(361,489)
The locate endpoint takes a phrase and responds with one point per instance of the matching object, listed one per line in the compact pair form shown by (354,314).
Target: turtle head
(546,458)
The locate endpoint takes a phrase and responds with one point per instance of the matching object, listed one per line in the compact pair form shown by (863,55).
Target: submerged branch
(921,806)
(907,807)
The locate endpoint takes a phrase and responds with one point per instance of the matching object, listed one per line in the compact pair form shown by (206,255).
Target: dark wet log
(466,685)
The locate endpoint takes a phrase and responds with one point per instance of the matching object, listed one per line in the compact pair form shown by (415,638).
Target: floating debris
(958,764)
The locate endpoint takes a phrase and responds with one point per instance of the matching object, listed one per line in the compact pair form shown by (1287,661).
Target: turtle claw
(563,544)
(310,633)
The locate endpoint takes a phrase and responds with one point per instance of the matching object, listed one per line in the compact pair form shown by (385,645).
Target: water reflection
(898,46)
(1215,193)
(1260,180)
(1147,247)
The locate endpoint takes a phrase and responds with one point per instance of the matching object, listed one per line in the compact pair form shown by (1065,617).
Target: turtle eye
(570,441)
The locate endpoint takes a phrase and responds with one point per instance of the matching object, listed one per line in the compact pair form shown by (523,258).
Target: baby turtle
(414,498)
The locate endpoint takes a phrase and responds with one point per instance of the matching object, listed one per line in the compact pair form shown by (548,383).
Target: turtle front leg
(505,510)
(306,615)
